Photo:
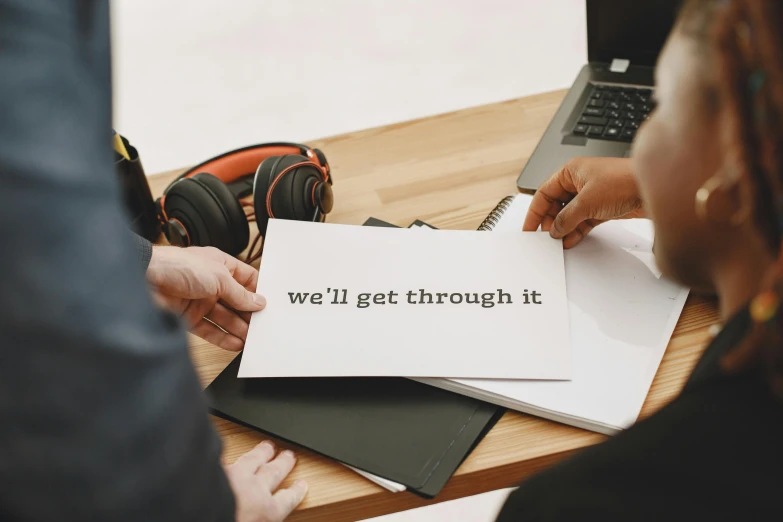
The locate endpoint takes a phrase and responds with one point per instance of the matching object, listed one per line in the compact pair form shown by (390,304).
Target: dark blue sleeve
(101,413)
(143,250)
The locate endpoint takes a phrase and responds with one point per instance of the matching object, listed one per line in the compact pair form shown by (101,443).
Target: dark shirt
(101,414)
(715,453)
(144,250)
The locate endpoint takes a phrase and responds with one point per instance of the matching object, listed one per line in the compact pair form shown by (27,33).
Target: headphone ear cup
(183,201)
(290,199)
(210,214)
(238,234)
(261,182)
(323,197)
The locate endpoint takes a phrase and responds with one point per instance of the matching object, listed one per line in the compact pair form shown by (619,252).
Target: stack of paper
(622,314)
(505,317)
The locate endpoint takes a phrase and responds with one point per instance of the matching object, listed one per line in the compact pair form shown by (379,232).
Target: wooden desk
(449,170)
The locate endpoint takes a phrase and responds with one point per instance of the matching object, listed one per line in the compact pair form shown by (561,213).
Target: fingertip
(240,298)
(232,344)
(289,454)
(292,496)
(302,486)
(530,227)
(572,240)
(260,301)
(561,225)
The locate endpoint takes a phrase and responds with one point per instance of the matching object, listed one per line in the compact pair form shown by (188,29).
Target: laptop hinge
(619,65)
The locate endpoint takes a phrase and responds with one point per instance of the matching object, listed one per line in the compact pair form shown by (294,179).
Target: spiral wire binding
(497,213)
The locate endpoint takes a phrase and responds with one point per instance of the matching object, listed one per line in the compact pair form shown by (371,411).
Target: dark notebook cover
(395,428)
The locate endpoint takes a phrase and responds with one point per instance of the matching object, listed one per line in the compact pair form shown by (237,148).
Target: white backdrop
(193,78)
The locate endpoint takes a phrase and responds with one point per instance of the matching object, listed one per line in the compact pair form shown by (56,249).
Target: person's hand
(583,194)
(211,290)
(255,478)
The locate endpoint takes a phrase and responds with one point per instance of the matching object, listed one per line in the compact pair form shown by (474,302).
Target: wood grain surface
(450,171)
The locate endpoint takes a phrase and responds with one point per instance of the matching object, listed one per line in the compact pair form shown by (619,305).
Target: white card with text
(347,300)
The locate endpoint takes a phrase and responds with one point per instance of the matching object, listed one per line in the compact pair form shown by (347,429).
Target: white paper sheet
(451,339)
(394,487)
(622,314)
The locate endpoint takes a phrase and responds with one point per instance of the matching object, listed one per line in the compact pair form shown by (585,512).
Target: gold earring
(764,306)
(707,192)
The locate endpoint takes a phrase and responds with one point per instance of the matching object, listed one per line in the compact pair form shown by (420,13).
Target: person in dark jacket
(707,168)
(101,414)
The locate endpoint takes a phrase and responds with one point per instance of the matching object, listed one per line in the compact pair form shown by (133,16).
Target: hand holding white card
(621,313)
(363,301)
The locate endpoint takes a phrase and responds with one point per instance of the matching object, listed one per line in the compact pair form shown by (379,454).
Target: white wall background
(194,78)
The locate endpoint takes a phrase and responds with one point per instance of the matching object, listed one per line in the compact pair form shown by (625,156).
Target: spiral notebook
(622,314)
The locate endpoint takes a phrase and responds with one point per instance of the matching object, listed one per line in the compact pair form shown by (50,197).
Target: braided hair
(742,39)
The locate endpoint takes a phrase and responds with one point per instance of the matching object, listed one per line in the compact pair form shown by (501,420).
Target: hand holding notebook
(597,190)
(621,314)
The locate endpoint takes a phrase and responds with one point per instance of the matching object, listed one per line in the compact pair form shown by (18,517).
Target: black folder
(395,428)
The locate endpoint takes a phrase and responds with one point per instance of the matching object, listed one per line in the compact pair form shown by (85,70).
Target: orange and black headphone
(202,206)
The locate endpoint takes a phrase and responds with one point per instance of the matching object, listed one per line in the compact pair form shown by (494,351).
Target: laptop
(612,95)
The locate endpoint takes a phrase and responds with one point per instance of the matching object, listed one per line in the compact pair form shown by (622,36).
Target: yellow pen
(119,146)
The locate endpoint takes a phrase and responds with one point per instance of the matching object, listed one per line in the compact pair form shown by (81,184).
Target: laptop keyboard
(614,113)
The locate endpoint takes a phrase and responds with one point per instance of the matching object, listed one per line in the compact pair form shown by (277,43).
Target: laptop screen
(631,29)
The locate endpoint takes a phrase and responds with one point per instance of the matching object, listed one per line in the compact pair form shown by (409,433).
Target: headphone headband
(204,205)
(236,164)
